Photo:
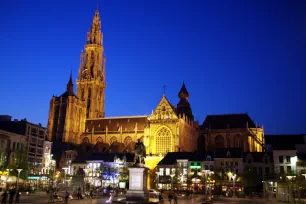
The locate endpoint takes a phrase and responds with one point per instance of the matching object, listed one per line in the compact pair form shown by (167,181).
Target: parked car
(153,193)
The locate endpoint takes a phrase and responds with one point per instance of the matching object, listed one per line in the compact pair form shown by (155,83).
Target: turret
(70,85)
(183,107)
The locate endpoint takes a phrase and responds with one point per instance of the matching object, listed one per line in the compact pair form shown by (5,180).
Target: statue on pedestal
(140,153)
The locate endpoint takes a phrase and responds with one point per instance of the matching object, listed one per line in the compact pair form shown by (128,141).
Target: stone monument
(138,175)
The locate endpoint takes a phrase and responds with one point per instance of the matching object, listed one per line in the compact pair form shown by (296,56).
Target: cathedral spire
(183,94)
(70,84)
(94,35)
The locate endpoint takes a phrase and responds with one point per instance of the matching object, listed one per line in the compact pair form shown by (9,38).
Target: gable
(164,110)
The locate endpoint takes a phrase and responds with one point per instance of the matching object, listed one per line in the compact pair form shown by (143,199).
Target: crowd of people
(10,195)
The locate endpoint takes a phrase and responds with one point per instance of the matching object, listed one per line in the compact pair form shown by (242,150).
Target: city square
(162,102)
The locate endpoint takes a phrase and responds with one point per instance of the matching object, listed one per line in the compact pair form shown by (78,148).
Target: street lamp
(234,177)
(65,169)
(172,175)
(19,170)
(205,179)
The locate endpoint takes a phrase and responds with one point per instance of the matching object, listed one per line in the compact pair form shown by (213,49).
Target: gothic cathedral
(80,118)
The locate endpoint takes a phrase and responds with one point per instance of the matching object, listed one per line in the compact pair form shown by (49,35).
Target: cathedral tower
(91,75)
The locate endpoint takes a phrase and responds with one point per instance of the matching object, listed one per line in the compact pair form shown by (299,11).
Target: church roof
(258,156)
(228,120)
(229,153)
(114,124)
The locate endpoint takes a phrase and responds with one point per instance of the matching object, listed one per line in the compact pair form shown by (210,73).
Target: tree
(219,176)
(250,180)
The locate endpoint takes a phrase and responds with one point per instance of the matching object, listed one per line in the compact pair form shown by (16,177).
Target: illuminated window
(184,171)
(161,171)
(163,141)
(167,171)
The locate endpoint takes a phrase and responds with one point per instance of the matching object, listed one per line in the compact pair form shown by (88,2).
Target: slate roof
(113,124)
(171,157)
(285,142)
(258,156)
(231,120)
(103,156)
(234,153)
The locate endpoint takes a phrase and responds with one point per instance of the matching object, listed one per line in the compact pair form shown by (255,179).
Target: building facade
(231,131)
(11,145)
(35,135)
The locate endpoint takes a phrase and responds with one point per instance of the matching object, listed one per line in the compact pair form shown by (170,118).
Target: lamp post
(234,177)
(205,179)
(172,175)
(65,169)
(19,170)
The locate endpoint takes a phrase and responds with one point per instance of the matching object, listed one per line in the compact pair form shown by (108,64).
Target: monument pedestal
(138,191)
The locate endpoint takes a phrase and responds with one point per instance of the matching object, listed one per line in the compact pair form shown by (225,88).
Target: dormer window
(208,158)
(228,154)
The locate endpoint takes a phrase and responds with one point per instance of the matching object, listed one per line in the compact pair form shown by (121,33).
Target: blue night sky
(234,56)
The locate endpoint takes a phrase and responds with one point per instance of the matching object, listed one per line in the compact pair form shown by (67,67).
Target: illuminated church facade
(79,118)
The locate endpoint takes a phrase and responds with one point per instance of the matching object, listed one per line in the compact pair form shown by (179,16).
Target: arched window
(127,140)
(99,139)
(237,141)
(85,140)
(159,116)
(112,140)
(219,141)
(163,141)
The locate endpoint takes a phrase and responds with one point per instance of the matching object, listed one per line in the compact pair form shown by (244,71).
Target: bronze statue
(140,153)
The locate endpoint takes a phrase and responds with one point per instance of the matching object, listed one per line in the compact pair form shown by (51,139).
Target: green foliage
(250,178)
(19,161)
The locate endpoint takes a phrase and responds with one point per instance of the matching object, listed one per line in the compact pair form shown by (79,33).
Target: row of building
(24,145)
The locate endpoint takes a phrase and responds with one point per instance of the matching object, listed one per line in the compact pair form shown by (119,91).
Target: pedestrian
(51,196)
(12,193)
(170,197)
(4,197)
(90,194)
(175,199)
(17,199)
(66,196)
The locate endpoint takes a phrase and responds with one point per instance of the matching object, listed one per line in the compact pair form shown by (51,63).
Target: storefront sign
(33,177)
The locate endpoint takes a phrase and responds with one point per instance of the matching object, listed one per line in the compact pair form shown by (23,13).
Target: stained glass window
(163,141)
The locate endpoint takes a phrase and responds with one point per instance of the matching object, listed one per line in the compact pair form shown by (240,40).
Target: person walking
(11,198)
(4,197)
(66,196)
(17,199)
